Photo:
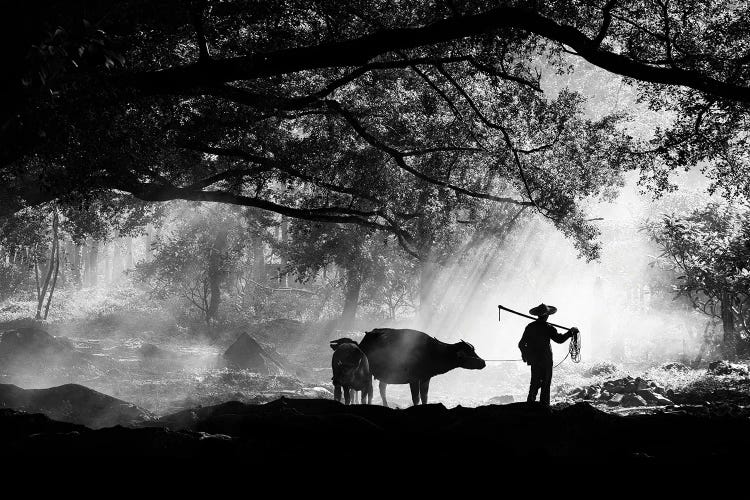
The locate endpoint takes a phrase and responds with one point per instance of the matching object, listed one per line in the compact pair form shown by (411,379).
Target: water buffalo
(351,371)
(413,357)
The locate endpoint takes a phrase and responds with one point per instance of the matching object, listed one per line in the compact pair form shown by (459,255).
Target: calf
(413,357)
(351,371)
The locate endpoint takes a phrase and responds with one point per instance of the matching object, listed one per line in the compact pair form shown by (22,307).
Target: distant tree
(57,244)
(313,248)
(392,289)
(710,251)
(195,258)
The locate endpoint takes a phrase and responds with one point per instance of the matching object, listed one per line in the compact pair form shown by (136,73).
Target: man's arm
(560,337)
(523,344)
(524,339)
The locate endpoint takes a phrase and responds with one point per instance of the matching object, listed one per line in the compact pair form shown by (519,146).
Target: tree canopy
(344,111)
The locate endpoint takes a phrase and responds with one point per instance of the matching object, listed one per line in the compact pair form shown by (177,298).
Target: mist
(126,303)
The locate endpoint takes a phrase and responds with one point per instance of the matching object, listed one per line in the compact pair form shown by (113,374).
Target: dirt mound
(726,368)
(247,354)
(301,344)
(75,404)
(30,355)
(32,341)
(675,366)
(601,369)
(33,435)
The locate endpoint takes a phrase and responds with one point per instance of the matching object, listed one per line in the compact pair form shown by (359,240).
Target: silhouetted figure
(537,351)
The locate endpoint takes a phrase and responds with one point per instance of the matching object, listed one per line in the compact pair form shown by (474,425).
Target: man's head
(543,311)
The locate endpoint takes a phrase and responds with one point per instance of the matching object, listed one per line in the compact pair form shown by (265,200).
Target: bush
(674,366)
(601,369)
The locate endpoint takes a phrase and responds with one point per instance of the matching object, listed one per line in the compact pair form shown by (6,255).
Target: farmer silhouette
(537,351)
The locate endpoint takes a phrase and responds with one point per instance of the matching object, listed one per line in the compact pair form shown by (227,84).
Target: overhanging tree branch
(271,164)
(506,137)
(398,158)
(359,51)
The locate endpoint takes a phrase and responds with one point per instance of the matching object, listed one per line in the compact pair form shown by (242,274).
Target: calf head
(348,371)
(466,356)
(344,340)
(347,364)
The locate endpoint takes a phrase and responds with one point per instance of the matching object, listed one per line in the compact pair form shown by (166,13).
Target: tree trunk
(284,256)
(729,346)
(41,294)
(54,282)
(75,266)
(128,253)
(116,261)
(83,265)
(36,278)
(259,260)
(149,242)
(351,296)
(93,263)
(216,273)
(65,258)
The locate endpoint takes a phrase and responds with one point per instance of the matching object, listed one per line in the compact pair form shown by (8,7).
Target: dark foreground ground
(308,431)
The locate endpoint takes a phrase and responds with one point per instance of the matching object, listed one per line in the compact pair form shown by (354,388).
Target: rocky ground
(162,378)
(308,431)
(140,395)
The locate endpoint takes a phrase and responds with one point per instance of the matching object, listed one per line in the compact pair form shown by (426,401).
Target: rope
(574,350)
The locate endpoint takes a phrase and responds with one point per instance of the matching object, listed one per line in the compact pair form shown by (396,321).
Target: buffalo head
(467,357)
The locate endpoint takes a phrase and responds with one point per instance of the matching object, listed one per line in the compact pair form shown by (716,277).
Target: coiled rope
(574,350)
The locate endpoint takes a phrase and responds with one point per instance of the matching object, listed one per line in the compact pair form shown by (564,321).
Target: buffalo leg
(382,387)
(354,396)
(424,387)
(347,395)
(337,392)
(414,386)
(369,395)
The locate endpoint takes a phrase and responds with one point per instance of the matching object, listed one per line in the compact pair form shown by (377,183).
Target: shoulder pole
(503,308)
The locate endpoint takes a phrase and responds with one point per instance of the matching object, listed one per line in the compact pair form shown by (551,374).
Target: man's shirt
(535,343)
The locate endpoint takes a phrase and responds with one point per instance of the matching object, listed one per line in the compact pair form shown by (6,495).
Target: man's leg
(546,383)
(534,384)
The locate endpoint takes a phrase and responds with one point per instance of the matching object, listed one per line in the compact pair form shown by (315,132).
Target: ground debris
(723,367)
(625,392)
(287,429)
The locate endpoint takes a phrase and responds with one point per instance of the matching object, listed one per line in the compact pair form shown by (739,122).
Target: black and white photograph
(376,235)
